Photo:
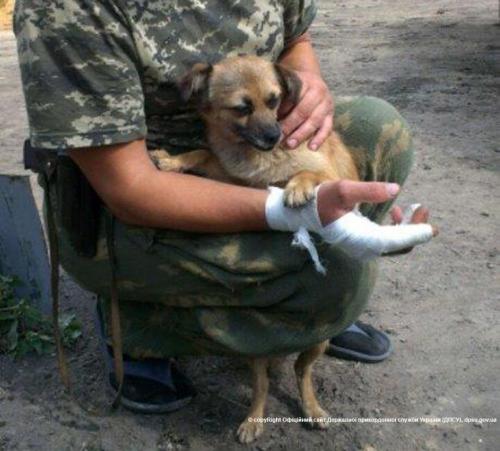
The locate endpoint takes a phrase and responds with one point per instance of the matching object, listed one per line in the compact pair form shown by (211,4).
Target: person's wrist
(282,218)
(272,209)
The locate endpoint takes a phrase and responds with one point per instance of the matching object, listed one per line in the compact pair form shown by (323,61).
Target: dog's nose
(271,135)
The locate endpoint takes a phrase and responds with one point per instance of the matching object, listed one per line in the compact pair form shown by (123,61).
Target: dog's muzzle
(262,138)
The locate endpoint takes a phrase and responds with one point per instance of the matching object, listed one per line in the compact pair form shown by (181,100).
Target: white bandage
(363,239)
(287,219)
(353,233)
(302,239)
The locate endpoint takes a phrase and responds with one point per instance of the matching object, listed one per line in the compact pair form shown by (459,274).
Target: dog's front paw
(250,430)
(299,192)
(319,417)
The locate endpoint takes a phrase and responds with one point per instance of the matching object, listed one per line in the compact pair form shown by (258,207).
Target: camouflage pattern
(102,72)
(250,293)
(105,71)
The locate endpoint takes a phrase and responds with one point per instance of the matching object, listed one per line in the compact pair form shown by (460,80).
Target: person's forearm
(300,55)
(190,203)
(139,194)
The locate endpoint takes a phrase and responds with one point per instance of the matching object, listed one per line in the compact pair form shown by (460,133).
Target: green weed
(23,329)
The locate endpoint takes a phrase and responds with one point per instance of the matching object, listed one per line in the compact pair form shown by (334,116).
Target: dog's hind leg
(253,425)
(179,163)
(200,162)
(303,372)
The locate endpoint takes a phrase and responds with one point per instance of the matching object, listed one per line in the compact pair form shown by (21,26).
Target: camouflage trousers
(249,293)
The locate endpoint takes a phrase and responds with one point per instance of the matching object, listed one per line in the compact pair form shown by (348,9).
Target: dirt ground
(6,8)
(438,62)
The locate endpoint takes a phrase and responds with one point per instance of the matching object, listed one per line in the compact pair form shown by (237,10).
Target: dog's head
(239,98)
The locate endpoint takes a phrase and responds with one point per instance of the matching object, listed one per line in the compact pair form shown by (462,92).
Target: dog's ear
(195,82)
(290,83)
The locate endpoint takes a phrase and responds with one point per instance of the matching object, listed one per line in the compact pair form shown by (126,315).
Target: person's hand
(335,199)
(312,116)
(361,237)
(415,214)
(331,216)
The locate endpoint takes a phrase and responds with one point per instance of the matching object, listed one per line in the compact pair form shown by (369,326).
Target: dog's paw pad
(297,196)
(249,431)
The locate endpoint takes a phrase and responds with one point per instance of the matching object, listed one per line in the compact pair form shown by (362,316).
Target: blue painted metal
(23,251)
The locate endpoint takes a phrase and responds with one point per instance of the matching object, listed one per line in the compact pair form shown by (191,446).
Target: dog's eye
(244,109)
(272,101)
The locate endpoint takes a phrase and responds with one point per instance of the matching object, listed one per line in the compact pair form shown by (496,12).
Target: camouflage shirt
(99,72)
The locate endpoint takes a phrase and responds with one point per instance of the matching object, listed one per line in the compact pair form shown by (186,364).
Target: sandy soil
(6,8)
(438,61)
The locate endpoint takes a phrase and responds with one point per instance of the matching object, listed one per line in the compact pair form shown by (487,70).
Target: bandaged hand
(330,214)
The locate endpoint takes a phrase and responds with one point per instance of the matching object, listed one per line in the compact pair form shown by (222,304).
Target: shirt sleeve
(298,16)
(79,73)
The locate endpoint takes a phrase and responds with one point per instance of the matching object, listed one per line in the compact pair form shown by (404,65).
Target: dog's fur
(238,99)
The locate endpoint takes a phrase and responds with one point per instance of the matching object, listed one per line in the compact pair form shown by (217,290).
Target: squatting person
(198,269)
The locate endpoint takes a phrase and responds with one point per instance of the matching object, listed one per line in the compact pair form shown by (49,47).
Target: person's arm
(137,193)
(312,117)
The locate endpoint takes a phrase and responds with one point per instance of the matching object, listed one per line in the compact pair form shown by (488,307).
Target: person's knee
(382,106)
(387,124)
(378,135)
(366,118)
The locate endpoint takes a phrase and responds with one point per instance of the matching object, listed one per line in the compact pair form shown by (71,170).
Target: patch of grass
(23,329)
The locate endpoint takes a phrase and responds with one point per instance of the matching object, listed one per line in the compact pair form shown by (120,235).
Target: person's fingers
(299,114)
(420,216)
(312,120)
(350,193)
(305,131)
(402,238)
(323,133)
(396,215)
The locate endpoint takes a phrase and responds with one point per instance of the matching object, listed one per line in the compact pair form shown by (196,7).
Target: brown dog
(238,99)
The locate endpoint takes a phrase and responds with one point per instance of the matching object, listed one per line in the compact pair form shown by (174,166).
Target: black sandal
(153,386)
(360,342)
(149,386)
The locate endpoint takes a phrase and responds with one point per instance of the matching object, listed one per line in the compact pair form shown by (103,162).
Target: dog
(238,99)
